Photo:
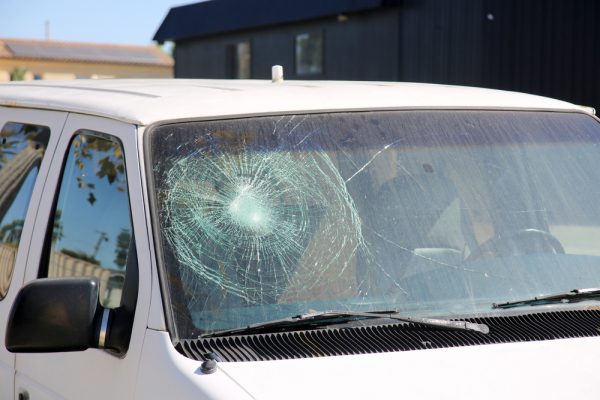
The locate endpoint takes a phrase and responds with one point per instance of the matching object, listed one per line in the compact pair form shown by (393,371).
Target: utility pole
(47,29)
(102,238)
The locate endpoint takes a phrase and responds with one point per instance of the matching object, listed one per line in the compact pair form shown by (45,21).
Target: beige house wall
(63,265)
(8,252)
(53,70)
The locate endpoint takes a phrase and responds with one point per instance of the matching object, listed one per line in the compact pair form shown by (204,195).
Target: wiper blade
(566,297)
(324,317)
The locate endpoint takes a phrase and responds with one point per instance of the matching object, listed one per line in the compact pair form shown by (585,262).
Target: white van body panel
(166,374)
(156,316)
(534,370)
(67,374)
(147,101)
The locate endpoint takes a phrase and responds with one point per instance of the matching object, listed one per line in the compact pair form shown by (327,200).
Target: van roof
(145,101)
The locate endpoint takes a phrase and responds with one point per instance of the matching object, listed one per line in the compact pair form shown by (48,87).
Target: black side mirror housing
(57,314)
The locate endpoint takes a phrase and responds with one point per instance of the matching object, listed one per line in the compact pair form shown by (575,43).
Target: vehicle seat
(418,225)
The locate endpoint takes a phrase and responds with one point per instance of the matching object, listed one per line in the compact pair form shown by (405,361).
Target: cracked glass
(431,213)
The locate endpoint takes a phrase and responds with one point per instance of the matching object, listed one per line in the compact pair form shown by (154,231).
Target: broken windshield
(432,213)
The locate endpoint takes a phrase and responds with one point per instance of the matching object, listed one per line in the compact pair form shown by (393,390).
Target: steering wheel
(525,241)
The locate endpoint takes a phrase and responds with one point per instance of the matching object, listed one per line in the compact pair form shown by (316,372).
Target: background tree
(18,74)
(57,228)
(110,163)
(35,136)
(123,241)
(11,233)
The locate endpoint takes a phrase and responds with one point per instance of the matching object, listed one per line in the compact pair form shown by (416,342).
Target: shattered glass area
(242,221)
(429,213)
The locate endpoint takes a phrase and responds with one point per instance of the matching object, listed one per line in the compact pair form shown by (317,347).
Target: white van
(190,239)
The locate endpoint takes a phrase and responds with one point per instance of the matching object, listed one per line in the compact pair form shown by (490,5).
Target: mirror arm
(104,328)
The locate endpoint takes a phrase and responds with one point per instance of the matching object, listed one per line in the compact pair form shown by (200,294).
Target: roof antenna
(47,29)
(277,74)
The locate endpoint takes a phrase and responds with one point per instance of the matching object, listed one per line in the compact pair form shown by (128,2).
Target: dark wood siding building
(546,47)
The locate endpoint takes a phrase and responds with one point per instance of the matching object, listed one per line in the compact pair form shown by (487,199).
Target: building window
(309,53)
(238,60)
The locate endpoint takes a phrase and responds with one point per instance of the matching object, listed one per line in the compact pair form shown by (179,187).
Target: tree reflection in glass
(91,232)
(22,147)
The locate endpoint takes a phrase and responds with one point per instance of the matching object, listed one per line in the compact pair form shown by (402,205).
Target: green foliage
(167,48)
(11,233)
(57,227)
(6,148)
(34,135)
(18,74)
(123,241)
(110,166)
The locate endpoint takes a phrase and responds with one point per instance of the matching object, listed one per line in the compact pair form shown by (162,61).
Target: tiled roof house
(45,59)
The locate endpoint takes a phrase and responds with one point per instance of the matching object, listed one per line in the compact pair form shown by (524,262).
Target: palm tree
(123,241)
(11,233)
(57,227)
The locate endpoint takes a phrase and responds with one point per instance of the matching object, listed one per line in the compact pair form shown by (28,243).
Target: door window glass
(22,147)
(91,227)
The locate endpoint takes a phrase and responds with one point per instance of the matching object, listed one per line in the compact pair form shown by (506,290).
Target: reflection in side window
(91,230)
(22,147)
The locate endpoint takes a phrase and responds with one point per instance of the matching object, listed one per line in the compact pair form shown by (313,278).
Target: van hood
(555,369)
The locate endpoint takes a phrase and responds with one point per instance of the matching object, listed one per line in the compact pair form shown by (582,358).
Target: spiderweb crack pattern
(243,220)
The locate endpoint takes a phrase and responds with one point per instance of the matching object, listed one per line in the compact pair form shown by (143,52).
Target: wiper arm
(566,297)
(325,317)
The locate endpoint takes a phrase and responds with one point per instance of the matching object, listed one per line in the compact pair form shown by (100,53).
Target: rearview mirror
(57,314)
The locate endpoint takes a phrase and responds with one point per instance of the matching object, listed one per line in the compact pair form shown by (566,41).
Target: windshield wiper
(332,317)
(566,297)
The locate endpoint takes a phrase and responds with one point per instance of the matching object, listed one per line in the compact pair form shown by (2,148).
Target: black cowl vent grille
(392,337)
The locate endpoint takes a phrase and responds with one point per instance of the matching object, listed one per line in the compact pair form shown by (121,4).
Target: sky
(99,21)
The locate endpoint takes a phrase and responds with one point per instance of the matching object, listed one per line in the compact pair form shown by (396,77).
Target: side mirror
(57,314)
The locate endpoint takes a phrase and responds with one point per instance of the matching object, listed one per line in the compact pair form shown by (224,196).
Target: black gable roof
(217,16)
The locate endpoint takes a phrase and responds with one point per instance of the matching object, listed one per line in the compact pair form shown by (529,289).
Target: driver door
(90,222)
